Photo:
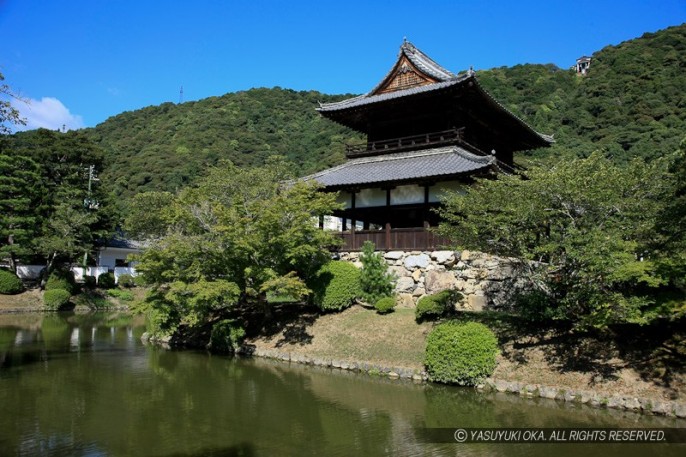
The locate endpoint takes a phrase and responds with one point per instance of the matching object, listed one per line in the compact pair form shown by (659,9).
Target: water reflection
(84,385)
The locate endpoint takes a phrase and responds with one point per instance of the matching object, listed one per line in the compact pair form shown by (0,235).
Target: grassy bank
(641,362)
(31,300)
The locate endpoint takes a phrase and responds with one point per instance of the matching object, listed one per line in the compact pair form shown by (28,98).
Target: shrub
(227,336)
(126,280)
(106,281)
(56,299)
(123,295)
(89,282)
(385,305)
(61,280)
(460,353)
(336,286)
(375,281)
(139,281)
(437,305)
(10,283)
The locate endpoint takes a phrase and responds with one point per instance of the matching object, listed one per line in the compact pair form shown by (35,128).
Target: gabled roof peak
(424,62)
(413,68)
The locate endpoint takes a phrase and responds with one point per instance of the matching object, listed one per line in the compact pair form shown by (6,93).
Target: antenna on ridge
(181,95)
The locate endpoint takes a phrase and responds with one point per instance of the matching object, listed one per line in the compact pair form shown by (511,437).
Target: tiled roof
(427,163)
(124,243)
(369,99)
(446,79)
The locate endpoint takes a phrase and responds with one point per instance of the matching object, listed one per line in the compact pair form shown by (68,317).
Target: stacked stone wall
(486,281)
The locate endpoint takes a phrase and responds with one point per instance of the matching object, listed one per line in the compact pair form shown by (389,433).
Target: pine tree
(19,191)
(375,280)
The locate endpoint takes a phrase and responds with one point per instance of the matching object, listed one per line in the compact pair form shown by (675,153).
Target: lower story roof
(403,166)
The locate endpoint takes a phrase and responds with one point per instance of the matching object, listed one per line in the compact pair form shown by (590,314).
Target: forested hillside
(632,103)
(166,147)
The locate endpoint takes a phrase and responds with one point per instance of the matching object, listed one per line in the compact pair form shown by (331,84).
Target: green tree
(19,195)
(587,225)
(375,280)
(70,206)
(251,229)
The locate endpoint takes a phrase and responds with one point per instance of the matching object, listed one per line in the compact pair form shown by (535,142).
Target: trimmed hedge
(460,353)
(56,299)
(385,305)
(106,281)
(63,280)
(437,305)
(336,286)
(10,283)
(89,282)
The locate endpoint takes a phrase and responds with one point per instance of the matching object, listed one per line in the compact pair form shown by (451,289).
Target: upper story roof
(415,76)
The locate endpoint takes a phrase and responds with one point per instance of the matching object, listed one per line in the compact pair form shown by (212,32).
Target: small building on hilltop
(428,131)
(583,63)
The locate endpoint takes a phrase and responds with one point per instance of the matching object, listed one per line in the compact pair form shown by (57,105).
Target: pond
(84,385)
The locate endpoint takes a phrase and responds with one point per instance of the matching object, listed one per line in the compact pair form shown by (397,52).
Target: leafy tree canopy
(246,230)
(591,226)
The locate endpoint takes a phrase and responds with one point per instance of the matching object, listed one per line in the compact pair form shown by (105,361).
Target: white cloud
(49,113)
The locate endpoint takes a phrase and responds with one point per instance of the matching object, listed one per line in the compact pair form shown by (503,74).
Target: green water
(84,385)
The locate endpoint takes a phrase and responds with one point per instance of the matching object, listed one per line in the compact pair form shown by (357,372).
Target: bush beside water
(460,353)
(227,336)
(10,283)
(61,280)
(56,299)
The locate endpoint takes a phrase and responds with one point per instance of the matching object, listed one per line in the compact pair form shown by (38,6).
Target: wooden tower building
(428,130)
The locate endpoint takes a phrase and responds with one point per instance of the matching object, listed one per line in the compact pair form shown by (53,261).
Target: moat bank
(566,367)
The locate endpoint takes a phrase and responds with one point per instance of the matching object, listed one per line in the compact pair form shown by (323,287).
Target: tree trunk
(48,269)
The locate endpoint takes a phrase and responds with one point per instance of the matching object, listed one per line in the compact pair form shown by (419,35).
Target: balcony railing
(406,143)
(402,239)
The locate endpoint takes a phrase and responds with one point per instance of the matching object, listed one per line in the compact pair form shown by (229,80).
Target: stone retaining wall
(486,281)
(590,398)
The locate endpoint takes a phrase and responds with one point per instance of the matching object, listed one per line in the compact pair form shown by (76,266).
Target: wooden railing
(424,140)
(401,239)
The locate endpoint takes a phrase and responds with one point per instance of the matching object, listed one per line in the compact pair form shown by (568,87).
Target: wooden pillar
(428,236)
(426,206)
(353,222)
(388,221)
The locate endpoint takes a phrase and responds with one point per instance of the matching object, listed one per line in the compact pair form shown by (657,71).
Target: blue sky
(80,62)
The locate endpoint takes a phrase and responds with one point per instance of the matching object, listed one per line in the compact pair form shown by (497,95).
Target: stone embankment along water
(594,399)
(486,281)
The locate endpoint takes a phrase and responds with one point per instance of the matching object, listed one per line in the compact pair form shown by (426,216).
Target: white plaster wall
(404,195)
(366,198)
(107,256)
